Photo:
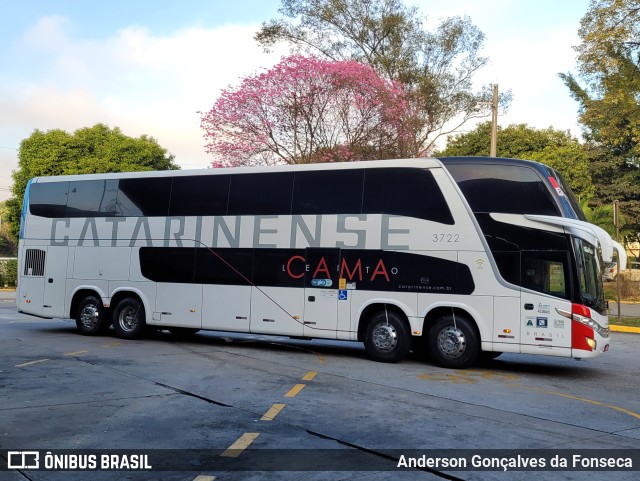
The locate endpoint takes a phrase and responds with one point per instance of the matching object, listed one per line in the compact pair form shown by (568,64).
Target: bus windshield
(568,198)
(589,278)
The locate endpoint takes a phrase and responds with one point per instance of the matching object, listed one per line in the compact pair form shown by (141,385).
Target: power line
(8,148)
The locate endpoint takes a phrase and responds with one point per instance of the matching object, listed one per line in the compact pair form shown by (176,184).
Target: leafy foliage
(609,66)
(436,67)
(306,109)
(601,215)
(556,148)
(8,245)
(89,150)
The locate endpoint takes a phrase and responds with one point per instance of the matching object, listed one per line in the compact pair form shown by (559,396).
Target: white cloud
(146,83)
(138,81)
(530,69)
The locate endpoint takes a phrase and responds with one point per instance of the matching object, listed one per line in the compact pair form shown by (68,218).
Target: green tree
(607,89)
(8,245)
(556,148)
(601,215)
(436,67)
(89,150)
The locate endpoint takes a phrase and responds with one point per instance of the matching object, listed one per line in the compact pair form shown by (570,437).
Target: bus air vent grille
(34,262)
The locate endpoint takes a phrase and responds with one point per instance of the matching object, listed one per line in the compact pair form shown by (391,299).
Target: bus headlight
(582,314)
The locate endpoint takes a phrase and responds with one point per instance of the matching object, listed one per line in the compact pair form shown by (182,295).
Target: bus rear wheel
(453,342)
(129,319)
(91,317)
(387,337)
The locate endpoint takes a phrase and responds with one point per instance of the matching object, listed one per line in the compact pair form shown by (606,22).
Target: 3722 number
(446,238)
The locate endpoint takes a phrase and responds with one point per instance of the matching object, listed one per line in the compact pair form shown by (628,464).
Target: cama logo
(23,460)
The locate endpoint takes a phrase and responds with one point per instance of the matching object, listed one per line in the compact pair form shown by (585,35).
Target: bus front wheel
(387,337)
(453,342)
(91,317)
(129,319)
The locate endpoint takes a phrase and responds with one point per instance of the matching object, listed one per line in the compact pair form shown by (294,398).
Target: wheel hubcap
(451,342)
(89,316)
(385,337)
(128,319)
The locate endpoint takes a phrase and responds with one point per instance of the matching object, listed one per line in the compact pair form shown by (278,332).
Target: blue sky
(148,66)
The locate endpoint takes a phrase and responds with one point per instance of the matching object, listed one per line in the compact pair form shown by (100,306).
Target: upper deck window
(405,192)
(508,189)
(48,199)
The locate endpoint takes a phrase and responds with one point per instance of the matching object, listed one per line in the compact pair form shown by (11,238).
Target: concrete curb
(615,328)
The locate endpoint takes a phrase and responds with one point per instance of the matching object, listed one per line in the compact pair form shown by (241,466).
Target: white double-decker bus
(455,258)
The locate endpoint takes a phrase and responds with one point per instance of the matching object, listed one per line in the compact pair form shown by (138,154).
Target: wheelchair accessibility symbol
(342,295)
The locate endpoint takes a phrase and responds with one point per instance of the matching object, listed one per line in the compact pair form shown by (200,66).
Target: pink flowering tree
(305,109)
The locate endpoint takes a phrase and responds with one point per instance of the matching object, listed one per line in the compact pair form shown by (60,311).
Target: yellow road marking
(204,478)
(112,344)
(242,443)
(272,412)
(624,329)
(309,376)
(74,353)
(511,380)
(32,362)
(320,358)
(293,392)
(467,377)
(589,401)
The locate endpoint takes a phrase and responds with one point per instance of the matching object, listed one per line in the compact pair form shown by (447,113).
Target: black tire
(129,319)
(91,317)
(387,337)
(453,342)
(183,332)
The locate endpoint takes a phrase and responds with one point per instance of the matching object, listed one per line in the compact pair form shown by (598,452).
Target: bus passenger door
(545,282)
(322,293)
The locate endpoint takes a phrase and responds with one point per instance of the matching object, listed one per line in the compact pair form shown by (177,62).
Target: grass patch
(625,321)
(629,290)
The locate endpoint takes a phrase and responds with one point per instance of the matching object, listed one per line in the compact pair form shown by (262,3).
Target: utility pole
(494,122)
(616,222)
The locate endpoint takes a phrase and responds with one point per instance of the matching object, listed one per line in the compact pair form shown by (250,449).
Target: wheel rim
(452,342)
(89,316)
(128,319)
(385,337)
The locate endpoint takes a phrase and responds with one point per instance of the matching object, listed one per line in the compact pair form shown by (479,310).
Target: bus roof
(494,161)
(420,163)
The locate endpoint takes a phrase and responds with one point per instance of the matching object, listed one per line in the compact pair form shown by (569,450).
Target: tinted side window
(503,188)
(199,195)
(143,197)
(279,267)
(168,264)
(92,198)
(328,192)
(508,237)
(224,266)
(48,199)
(509,266)
(546,271)
(407,192)
(260,194)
